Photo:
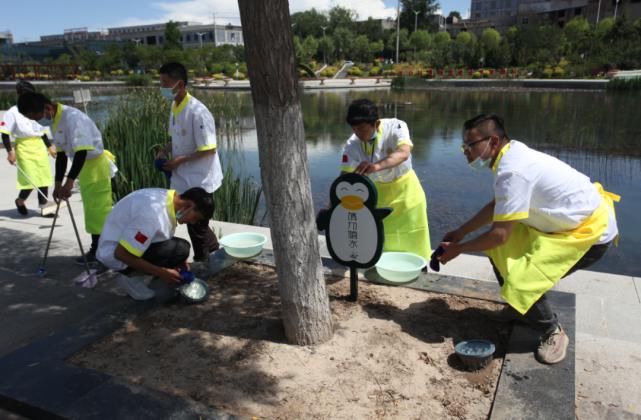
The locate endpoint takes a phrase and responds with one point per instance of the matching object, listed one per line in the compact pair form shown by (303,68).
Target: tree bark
(284,171)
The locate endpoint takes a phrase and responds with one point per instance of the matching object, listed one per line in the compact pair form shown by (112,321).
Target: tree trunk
(284,171)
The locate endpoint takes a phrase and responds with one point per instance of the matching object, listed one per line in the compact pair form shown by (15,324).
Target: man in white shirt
(194,161)
(381,149)
(139,235)
(547,220)
(76,137)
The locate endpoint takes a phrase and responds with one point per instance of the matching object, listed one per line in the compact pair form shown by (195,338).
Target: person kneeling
(138,236)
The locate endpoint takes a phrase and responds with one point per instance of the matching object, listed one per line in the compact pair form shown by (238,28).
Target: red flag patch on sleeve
(140,237)
(345,159)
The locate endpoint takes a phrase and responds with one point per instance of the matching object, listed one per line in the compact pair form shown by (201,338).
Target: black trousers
(540,316)
(171,253)
(203,239)
(24,194)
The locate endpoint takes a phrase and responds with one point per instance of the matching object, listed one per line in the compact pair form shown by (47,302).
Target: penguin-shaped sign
(353,225)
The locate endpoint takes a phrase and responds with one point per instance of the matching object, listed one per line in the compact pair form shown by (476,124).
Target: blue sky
(27,21)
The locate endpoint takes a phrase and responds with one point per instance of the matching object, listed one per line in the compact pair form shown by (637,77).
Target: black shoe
(90,256)
(22,209)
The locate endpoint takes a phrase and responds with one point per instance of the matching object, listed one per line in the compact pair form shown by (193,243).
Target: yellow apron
(531,262)
(95,190)
(33,159)
(406,227)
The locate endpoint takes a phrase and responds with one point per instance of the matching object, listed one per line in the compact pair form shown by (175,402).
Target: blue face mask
(45,122)
(168,93)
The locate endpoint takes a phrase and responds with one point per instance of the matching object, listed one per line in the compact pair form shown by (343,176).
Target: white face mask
(479,163)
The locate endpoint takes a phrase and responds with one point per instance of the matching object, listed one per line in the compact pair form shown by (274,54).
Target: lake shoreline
(351,83)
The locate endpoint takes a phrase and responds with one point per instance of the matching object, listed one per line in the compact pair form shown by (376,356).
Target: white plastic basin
(243,245)
(400,267)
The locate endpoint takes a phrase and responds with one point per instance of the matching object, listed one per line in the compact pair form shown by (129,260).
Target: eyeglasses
(467,146)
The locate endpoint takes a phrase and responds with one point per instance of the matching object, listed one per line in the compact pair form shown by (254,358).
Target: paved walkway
(608,342)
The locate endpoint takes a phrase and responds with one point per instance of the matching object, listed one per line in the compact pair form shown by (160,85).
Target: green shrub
(355,71)
(239,76)
(329,71)
(218,76)
(476,75)
(548,72)
(399,82)
(138,80)
(558,71)
(375,71)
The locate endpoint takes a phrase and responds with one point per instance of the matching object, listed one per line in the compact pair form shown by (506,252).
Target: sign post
(353,225)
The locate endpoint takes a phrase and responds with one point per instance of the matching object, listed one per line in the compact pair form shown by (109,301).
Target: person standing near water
(546,220)
(194,161)
(78,138)
(380,148)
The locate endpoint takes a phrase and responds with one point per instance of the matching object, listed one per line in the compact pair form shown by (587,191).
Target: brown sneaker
(553,347)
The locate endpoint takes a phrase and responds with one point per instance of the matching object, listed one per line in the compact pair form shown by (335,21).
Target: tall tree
(309,22)
(423,9)
(284,170)
(172,36)
(341,17)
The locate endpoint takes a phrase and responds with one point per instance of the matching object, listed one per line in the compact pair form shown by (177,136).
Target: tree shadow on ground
(435,320)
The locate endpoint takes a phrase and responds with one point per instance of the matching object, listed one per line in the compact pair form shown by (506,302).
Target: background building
(6,38)
(193,35)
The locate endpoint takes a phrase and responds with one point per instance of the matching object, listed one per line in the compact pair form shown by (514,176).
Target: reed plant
(7,100)
(633,83)
(137,128)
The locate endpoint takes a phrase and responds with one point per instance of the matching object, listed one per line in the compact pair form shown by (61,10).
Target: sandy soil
(392,354)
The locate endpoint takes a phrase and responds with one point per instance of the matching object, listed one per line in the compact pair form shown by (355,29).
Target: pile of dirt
(392,354)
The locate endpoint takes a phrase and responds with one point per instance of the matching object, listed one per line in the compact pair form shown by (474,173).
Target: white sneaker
(135,287)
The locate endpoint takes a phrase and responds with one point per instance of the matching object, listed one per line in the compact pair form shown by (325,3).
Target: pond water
(596,132)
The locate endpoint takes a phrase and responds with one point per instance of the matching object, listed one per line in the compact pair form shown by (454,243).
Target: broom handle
(32,183)
(75,229)
(53,225)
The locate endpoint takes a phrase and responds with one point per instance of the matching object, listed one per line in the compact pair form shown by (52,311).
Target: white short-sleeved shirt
(18,126)
(192,129)
(543,192)
(74,131)
(391,134)
(141,218)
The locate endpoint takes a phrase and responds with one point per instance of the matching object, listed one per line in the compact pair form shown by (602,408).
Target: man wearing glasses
(546,220)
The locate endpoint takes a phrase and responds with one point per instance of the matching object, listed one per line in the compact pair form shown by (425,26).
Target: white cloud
(226,11)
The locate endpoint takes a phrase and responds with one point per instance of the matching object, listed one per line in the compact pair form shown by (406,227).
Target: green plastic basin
(243,245)
(400,267)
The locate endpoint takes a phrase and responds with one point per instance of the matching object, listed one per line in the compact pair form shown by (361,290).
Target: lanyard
(365,147)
